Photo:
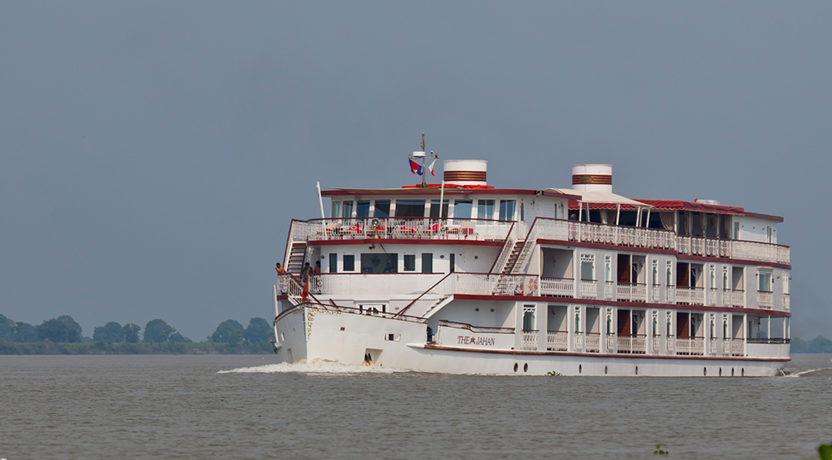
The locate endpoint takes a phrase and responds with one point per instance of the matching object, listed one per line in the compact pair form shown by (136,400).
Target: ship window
(452,262)
(736,230)
(349,262)
(528,317)
(410,262)
(462,209)
(363,209)
(347,209)
(588,267)
(410,208)
(434,209)
(655,272)
(427,262)
(336,209)
(333,263)
(507,209)
(765,282)
(379,263)
(382,209)
(485,209)
(607,268)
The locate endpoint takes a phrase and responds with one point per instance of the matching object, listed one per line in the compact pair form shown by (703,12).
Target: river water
(229,407)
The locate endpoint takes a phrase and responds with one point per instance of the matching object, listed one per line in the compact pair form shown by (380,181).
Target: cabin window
(333,263)
(485,209)
(379,263)
(346,210)
(336,210)
(577,319)
(669,324)
(607,268)
(410,208)
(588,267)
(410,262)
(725,284)
(769,238)
(669,273)
(363,209)
(786,283)
(452,262)
(507,209)
(712,275)
(462,209)
(427,262)
(528,318)
(655,323)
(382,209)
(434,209)
(349,262)
(736,234)
(655,272)
(765,281)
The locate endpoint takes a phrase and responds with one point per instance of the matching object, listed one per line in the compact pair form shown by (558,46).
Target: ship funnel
(465,172)
(592,178)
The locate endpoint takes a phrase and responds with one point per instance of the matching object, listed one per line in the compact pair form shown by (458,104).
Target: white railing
(712,296)
(690,345)
(620,235)
(671,294)
(558,287)
(611,342)
(787,303)
(593,342)
(760,252)
(738,347)
(671,345)
(632,344)
(400,228)
(589,289)
(691,296)
(609,290)
(738,298)
(505,253)
(726,297)
(712,347)
(655,293)
(726,347)
(765,299)
(557,340)
(530,340)
(657,344)
(579,341)
(376,283)
(632,292)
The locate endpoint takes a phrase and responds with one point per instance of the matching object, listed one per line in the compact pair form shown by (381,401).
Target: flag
(431,168)
(415,168)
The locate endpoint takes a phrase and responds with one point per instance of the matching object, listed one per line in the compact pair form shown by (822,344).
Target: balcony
(655,293)
(657,348)
(635,343)
(529,340)
(787,304)
(400,228)
(589,289)
(557,287)
(690,346)
(557,340)
(579,341)
(690,295)
(712,295)
(633,292)
(593,342)
(609,290)
(738,298)
(765,300)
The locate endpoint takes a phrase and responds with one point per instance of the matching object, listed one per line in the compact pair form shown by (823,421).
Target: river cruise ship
(465,278)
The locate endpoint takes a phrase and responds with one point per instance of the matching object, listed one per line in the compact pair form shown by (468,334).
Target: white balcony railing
(632,292)
(726,297)
(530,340)
(558,287)
(557,341)
(609,290)
(671,345)
(579,341)
(632,343)
(655,293)
(737,347)
(712,346)
(712,296)
(593,342)
(691,296)
(726,347)
(690,345)
(657,344)
(737,298)
(589,289)
(611,342)
(765,299)
(787,303)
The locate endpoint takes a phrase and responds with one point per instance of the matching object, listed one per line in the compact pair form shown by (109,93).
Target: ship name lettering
(483,341)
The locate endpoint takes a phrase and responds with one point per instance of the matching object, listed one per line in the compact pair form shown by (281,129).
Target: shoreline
(105,348)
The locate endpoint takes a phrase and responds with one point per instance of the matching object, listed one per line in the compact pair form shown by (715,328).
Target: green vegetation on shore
(819,344)
(63,336)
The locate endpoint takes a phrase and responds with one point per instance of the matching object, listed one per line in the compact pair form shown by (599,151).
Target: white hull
(315,333)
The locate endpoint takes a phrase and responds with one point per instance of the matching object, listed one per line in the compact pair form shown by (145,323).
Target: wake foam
(312,367)
(798,374)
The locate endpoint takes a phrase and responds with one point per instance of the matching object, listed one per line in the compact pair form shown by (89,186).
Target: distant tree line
(64,329)
(819,344)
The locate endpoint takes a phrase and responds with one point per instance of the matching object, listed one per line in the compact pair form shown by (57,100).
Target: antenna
(421,154)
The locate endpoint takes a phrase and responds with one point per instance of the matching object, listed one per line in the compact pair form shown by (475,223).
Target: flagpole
(441,200)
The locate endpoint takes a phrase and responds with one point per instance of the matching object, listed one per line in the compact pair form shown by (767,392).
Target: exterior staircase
(512,258)
(296,257)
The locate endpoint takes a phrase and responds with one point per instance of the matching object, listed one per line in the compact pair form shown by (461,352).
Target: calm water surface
(102,407)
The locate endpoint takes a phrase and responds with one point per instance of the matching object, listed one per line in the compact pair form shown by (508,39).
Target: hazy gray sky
(152,154)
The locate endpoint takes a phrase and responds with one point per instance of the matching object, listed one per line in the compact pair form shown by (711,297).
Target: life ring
(375,222)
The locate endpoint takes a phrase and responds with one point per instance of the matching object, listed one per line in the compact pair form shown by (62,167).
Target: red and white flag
(431,168)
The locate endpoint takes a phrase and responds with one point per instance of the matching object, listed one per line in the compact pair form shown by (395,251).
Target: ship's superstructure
(467,278)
